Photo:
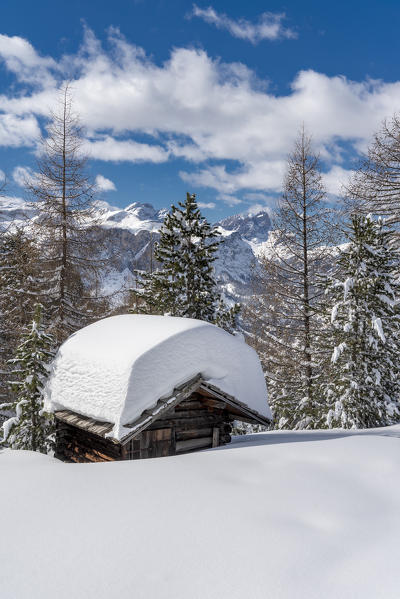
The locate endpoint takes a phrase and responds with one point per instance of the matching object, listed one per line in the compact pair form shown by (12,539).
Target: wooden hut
(133,386)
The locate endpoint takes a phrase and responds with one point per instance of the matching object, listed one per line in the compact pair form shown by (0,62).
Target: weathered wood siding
(76,445)
(193,424)
(196,423)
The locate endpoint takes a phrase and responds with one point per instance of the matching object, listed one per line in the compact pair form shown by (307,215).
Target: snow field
(275,515)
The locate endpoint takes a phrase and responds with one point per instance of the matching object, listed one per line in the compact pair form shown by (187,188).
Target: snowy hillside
(282,515)
(131,232)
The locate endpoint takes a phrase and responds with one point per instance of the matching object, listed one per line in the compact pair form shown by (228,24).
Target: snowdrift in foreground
(275,515)
(116,368)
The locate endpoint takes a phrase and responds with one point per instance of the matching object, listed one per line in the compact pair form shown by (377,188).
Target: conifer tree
(267,318)
(63,197)
(363,386)
(375,187)
(18,294)
(31,427)
(185,284)
(283,316)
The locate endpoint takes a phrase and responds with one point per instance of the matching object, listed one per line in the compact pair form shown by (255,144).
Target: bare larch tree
(375,187)
(63,195)
(284,313)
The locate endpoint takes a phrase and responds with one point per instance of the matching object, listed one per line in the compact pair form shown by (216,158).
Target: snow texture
(135,217)
(306,515)
(348,284)
(114,369)
(377,324)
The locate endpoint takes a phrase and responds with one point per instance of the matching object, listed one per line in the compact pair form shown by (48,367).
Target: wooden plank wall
(76,445)
(196,423)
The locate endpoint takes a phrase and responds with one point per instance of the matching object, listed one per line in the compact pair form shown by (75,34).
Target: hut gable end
(196,416)
(126,380)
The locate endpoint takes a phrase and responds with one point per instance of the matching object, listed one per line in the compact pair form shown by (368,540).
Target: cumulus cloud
(21,58)
(256,175)
(233,132)
(336,178)
(268,27)
(209,205)
(23,175)
(114,150)
(16,131)
(104,184)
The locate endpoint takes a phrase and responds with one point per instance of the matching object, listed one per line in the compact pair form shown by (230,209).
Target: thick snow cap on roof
(114,369)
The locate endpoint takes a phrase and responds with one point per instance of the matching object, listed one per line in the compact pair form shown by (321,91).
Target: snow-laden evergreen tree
(31,427)
(18,295)
(363,386)
(185,285)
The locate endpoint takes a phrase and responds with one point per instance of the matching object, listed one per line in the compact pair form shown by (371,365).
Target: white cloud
(209,205)
(260,202)
(254,209)
(198,109)
(336,178)
(230,200)
(256,175)
(21,58)
(268,27)
(189,152)
(104,184)
(23,175)
(18,131)
(113,150)
(257,196)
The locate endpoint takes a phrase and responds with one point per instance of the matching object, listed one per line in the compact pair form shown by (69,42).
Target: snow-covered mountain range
(130,234)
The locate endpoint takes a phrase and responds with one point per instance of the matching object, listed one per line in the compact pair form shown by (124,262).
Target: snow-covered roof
(118,367)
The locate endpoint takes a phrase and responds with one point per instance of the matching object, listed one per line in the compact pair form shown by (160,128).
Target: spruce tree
(185,284)
(18,294)
(31,427)
(363,386)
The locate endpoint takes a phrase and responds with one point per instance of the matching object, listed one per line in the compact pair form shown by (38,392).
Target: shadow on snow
(278,437)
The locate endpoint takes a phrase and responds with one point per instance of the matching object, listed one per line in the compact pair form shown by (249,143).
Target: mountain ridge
(130,234)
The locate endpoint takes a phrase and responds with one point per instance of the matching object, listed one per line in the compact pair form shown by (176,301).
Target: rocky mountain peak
(252,227)
(131,232)
(142,211)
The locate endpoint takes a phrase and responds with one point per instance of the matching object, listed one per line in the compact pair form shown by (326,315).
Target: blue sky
(204,97)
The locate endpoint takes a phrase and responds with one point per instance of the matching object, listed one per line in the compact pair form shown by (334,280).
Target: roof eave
(150,415)
(182,392)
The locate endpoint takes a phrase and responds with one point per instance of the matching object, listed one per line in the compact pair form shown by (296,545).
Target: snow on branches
(361,388)
(185,284)
(31,427)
